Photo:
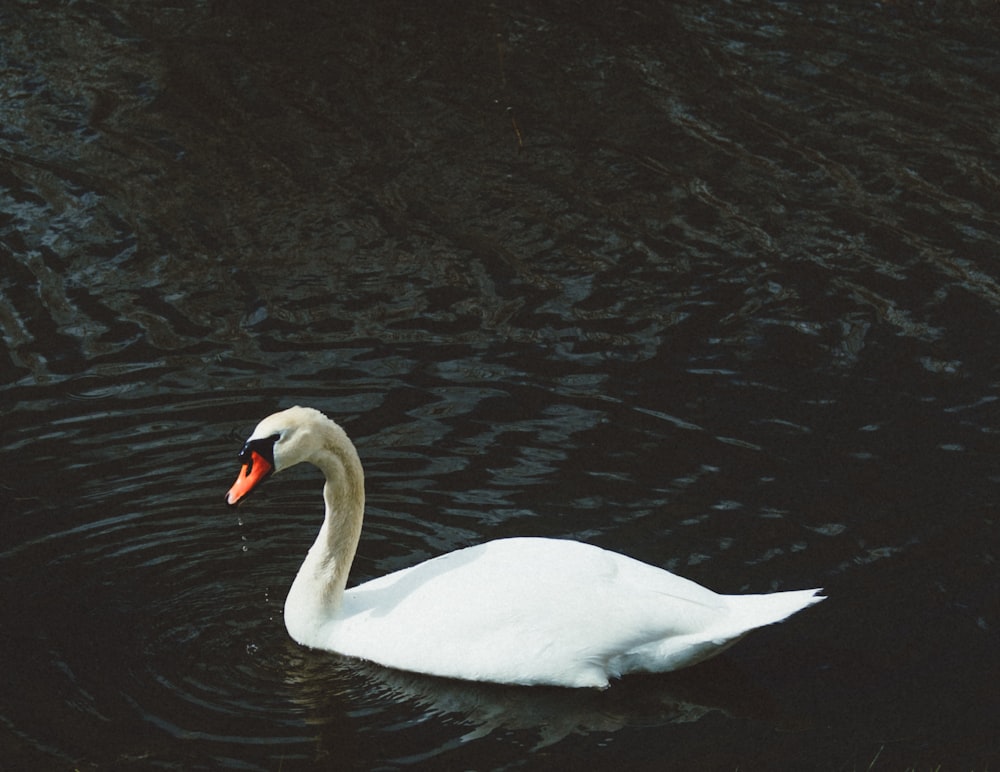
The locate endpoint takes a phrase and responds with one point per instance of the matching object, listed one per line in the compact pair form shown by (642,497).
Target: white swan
(517,611)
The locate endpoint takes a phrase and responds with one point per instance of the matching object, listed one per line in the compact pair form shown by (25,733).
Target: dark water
(712,284)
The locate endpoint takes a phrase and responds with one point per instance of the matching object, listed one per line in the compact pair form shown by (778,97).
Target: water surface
(711,284)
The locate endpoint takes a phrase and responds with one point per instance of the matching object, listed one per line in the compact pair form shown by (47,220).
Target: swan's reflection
(331,689)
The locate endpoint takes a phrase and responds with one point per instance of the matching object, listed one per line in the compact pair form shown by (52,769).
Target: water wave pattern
(711,284)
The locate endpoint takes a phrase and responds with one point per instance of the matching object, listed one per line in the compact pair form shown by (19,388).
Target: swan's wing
(520,610)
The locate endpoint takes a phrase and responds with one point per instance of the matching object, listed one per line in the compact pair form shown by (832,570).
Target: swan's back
(549,611)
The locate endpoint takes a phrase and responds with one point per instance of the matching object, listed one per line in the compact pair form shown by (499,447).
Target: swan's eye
(264,447)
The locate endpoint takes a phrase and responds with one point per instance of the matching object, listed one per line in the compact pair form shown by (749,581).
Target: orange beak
(251,474)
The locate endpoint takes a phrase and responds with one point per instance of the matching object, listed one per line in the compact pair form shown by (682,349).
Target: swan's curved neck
(318,589)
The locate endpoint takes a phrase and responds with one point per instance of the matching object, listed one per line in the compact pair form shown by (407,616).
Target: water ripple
(712,285)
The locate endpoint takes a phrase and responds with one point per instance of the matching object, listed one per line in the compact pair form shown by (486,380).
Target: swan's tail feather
(751,611)
(746,613)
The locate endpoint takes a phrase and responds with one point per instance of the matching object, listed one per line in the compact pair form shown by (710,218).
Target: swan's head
(281,440)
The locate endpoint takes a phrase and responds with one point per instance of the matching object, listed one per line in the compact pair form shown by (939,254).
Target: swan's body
(525,611)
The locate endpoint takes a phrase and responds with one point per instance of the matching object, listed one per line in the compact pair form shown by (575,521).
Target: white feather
(523,610)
